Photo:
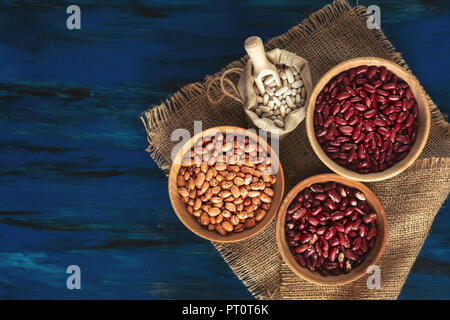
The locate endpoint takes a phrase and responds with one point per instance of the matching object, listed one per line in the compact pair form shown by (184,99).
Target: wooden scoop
(261,66)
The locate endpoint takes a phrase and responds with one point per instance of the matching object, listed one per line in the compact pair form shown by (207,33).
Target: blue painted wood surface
(76,186)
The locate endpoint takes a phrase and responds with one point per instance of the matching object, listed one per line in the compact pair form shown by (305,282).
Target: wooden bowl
(190,221)
(423,118)
(371,258)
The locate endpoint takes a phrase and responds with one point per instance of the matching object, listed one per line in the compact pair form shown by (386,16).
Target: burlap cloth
(331,35)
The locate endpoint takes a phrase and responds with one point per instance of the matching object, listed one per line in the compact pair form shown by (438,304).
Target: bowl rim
(424,111)
(246,234)
(312,276)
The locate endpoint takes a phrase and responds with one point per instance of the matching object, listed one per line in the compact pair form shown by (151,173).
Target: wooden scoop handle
(261,65)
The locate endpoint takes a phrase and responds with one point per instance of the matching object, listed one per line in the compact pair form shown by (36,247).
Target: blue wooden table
(77,188)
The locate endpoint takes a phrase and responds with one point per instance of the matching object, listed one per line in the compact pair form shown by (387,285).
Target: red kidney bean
(302,248)
(332,255)
(334,242)
(294,207)
(339,226)
(351,255)
(300,260)
(297,215)
(372,232)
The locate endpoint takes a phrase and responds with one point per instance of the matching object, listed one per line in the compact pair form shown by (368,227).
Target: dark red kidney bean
(309,252)
(356,244)
(351,255)
(361,152)
(368,88)
(320,231)
(339,227)
(315,203)
(368,218)
(300,260)
(306,238)
(302,248)
(353,234)
(323,216)
(371,233)
(316,211)
(324,243)
(343,95)
(334,195)
(307,194)
(318,248)
(320,196)
(297,215)
(294,207)
(362,231)
(311,228)
(313,220)
(361,69)
(346,130)
(353,120)
(349,113)
(383,73)
(332,255)
(330,233)
(337,215)
(334,241)
(314,239)
(317,188)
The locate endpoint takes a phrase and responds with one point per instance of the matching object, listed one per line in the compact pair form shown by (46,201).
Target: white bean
(281,91)
(269,80)
(279,123)
(266,99)
(265,108)
(297,98)
(276,101)
(283,111)
(289,102)
(289,75)
(297,84)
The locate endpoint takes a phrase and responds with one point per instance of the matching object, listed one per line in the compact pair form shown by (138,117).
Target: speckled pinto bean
(331,235)
(226,182)
(366,119)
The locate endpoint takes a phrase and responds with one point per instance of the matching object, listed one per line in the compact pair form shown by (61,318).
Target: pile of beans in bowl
(226,182)
(330,228)
(365,119)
